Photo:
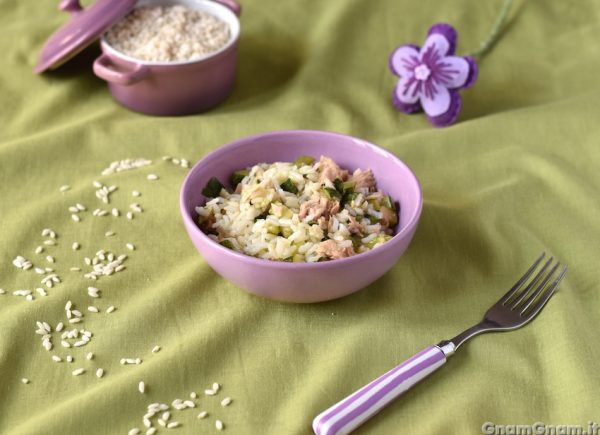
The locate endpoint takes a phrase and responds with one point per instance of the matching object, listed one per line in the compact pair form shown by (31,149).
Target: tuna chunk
(206,224)
(389,219)
(332,250)
(363,179)
(319,206)
(323,223)
(354,226)
(331,171)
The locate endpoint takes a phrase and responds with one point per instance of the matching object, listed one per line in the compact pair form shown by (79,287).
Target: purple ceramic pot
(303,282)
(174,88)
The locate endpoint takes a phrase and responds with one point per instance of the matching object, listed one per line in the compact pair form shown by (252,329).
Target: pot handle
(235,7)
(71,6)
(105,69)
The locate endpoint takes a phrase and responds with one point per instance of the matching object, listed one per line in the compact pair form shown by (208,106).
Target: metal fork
(515,309)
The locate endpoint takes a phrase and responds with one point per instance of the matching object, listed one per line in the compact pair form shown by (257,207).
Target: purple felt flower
(430,77)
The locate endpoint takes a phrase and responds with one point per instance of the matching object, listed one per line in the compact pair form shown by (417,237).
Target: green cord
(487,44)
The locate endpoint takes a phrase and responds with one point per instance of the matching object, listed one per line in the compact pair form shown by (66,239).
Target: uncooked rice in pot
(300,212)
(168,34)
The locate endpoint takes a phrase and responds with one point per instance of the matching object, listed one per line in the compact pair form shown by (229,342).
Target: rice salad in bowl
(301,211)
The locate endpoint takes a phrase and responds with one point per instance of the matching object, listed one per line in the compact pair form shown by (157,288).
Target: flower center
(422,72)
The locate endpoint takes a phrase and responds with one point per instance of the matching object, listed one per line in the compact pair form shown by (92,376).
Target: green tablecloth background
(517,175)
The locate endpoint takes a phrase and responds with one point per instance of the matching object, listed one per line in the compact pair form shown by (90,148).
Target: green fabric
(516,176)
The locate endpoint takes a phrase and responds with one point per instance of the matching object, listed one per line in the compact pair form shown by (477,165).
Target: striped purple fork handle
(345,416)
(515,309)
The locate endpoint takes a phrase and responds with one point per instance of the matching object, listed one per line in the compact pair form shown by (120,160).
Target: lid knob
(71,6)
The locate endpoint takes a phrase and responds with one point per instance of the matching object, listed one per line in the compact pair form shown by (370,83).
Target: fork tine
(531,285)
(523,307)
(524,278)
(551,290)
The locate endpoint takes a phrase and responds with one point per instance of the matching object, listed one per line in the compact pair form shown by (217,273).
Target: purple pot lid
(84,27)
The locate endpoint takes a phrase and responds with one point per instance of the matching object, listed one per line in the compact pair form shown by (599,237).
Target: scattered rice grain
(124,165)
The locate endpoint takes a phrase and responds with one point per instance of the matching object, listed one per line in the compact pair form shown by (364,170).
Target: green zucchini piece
(289,186)
(332,193)
(237,177)
(212,188)
(339,185)
(227,243)
(304,161)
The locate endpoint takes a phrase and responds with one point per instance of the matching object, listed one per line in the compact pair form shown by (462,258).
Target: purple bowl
(303,282)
